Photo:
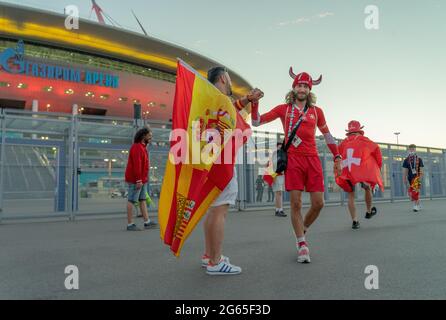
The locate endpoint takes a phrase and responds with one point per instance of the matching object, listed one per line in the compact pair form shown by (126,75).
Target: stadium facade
(101,69)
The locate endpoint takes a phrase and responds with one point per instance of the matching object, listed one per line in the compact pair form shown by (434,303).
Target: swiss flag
(362,161)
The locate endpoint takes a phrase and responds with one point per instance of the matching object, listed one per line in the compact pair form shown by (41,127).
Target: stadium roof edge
(48,28)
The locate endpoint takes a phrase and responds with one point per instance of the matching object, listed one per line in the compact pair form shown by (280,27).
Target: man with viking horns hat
(304,169)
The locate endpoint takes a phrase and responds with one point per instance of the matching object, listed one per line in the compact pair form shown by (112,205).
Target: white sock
(299,240)
(277,210)
(147,222)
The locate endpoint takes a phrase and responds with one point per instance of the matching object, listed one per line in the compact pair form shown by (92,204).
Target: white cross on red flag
(362,163)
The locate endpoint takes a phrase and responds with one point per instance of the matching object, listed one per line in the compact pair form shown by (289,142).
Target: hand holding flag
(205,128)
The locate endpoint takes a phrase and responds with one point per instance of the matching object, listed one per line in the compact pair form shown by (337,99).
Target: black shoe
(281,214)
(133,227)
(355,225)
(372,213)
(150,225)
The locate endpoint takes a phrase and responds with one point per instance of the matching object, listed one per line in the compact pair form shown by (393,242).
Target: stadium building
(101,69)
(67,108)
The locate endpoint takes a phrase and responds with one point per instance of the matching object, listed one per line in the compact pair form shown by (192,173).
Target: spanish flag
(269,176)
(204,143)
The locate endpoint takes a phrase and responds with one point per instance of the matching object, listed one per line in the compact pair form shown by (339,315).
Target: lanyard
(415,167)
(290,126)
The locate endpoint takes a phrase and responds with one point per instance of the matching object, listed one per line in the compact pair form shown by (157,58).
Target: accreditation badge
(296,141)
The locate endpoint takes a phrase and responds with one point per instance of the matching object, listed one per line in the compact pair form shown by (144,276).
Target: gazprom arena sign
(14,61)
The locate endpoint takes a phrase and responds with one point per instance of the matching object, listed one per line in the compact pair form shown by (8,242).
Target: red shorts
(304,173)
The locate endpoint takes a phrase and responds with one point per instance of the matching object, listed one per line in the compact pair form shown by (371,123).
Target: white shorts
(279,184)
(229,194)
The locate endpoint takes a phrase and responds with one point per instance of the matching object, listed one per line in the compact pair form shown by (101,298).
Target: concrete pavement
(409,250)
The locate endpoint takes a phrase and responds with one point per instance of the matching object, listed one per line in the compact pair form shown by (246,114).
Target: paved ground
(45,207)
(409,249)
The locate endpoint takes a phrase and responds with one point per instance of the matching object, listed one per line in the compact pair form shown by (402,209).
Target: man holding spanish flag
(412,175)
(208,130)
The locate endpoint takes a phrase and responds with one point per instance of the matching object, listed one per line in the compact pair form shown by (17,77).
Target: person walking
(136,176)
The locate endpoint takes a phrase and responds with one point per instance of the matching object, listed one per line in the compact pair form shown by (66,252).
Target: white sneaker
(416,208)
(303,254)
(205,260)
(224,268)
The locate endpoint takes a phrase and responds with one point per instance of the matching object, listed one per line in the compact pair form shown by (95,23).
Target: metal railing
(62,165)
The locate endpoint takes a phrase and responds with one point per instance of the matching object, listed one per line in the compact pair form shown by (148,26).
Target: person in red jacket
(362,164)
(304,170)
(136,176)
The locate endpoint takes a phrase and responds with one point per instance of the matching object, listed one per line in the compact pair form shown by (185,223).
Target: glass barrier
(55,164)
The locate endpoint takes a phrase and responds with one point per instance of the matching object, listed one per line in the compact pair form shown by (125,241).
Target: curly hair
(291,98)
(141,134)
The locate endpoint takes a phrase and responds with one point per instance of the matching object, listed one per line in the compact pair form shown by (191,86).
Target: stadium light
(397,135)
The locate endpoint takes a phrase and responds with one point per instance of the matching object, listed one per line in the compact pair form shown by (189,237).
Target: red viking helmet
(304,78)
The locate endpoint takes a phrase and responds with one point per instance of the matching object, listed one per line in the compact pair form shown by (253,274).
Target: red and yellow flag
(270,175)
(194,178)
(414,189)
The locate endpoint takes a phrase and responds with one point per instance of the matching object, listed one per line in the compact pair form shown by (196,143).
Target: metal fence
(62,165)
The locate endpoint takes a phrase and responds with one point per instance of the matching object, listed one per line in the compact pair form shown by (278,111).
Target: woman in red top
(304,170)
